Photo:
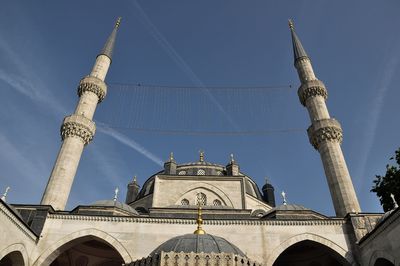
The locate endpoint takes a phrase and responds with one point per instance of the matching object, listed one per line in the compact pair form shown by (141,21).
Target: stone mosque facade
(198,213)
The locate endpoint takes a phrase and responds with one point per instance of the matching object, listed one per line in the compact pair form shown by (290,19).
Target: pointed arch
(210,188)
(311,237)
(17,250)
(66,242)
(380,254)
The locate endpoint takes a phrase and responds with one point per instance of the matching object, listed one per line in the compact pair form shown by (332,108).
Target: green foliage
(388,184)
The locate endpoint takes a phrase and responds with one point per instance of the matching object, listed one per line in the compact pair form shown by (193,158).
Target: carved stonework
(95,85)
(312,88)
(192,259)
(78,126)
(329,133)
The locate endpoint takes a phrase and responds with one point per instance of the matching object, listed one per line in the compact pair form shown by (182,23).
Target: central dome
(198,243)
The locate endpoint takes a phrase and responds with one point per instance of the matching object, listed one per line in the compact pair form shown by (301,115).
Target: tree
(388,184)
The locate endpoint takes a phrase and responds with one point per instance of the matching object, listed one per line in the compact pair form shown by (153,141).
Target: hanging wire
(189,110)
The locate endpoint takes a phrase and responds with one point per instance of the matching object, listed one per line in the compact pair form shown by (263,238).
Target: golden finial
(201,156)
(118,22)
(199,230)
(134,178)
(291,25)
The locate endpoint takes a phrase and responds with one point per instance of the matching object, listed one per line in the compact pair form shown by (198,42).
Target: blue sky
(46,47)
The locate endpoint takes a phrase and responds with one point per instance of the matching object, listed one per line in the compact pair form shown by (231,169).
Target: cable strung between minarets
(325,133)
(78,129)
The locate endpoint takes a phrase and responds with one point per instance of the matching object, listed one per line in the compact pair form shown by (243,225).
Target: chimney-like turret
(268,193)
(232,169)
(170,165)
(132,191)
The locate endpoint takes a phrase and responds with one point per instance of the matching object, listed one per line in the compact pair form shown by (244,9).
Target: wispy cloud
(129,142)
(15,157)
(27,82)
(180,62)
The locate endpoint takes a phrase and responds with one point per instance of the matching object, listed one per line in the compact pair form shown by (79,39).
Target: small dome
(116,204)
(198,243)
(290,207)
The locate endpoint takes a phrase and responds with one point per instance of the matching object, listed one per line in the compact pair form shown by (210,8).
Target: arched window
(185,202)
(183,172)
(217,202)
(201,172)
(201,199)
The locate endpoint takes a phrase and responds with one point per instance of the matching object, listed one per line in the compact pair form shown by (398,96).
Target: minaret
(325,133)
(78,129)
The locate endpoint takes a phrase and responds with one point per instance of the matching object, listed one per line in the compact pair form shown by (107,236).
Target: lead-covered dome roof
(198,243)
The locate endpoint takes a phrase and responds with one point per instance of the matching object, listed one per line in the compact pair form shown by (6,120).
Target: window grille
(201,199)
(185,202)
(217,202)
(201,172)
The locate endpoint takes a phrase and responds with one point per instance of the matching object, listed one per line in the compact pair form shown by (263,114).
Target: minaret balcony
(312,88)
(325,130)
(78,126)
(93,84)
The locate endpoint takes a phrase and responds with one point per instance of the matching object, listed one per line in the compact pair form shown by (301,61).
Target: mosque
(198,213)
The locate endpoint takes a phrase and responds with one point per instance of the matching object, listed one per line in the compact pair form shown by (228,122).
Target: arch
(311,237)
(18,252)
(66,242)
(211,188)
(381,255)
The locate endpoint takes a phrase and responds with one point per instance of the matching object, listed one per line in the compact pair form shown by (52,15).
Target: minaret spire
(78,129)
(298,50)
(325,133)
(109,45)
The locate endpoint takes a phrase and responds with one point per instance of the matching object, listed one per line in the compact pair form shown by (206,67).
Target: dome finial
(201,156)
(284,197)
(199,220)
(4,197)
(116,193)
(232,158)
(171,157)
(134,179)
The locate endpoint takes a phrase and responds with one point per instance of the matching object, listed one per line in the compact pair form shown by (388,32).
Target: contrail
(28,83)
(129,142)
(38,92)
(181,63)
(383,86)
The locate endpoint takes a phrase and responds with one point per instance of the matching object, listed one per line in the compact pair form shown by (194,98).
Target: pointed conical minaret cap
(298,50)
(109,46)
